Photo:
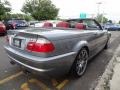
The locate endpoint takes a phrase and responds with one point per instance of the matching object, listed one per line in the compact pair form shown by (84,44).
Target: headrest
(80,26)
(48,24)
(63,24)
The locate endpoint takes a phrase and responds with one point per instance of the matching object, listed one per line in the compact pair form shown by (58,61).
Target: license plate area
(17,42)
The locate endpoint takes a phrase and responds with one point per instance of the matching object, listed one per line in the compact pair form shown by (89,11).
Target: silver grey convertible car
(54,51)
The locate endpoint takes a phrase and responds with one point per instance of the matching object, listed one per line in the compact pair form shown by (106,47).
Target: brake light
(41,45)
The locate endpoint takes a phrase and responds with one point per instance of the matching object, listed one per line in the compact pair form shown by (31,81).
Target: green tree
(5,8)
(110,21)
(101,19)
(40,9)
(18,16)
(119,22)
(21,16)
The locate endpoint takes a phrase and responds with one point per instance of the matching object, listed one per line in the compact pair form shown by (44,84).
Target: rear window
(20,21)
(17,21)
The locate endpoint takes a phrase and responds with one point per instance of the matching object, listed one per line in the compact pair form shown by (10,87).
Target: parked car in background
(118,26)
(112,27)
(15,24)
(32,23)
(57,51)
(39,24)
(7,25)
(2,28)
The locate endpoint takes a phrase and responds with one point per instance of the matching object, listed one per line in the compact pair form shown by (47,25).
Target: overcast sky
(73,8)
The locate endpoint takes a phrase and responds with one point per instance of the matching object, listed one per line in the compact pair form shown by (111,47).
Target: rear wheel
(80,63)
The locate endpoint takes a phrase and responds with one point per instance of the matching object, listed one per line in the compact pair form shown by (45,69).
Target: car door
(98,35)
(101,39)
(102,36)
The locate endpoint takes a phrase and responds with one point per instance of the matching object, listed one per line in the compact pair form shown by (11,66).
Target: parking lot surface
(12,78)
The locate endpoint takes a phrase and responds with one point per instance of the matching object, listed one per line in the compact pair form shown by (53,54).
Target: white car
(39,24)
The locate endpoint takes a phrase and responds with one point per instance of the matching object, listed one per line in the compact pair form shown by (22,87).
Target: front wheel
(107,44)
(80,63)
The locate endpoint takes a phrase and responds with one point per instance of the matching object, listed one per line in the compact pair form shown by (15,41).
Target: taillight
(3,27)
(41,45)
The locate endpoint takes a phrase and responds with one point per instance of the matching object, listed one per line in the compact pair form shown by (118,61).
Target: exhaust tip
(26,72)
(12,62)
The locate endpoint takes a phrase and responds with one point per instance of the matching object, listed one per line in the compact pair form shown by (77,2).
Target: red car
(2,28)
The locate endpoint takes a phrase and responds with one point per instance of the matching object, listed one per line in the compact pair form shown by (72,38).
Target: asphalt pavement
(12,78)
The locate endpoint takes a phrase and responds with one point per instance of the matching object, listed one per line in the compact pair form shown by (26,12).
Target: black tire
(80,64)
(107,44)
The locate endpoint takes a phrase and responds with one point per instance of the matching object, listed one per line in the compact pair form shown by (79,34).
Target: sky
(73,8)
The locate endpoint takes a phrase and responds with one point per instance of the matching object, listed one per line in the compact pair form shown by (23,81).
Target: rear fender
(80,45)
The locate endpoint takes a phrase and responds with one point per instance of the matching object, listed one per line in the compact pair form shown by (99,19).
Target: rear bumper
(57,65)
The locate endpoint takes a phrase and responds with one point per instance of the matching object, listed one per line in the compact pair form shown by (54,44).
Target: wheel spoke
(81,62)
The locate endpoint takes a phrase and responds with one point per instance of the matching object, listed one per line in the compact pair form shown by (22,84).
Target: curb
(104,81)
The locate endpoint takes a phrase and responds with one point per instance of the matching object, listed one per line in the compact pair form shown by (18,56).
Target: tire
(80,64)
(107,44)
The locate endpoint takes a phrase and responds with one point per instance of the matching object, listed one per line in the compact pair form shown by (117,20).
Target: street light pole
(98,7)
